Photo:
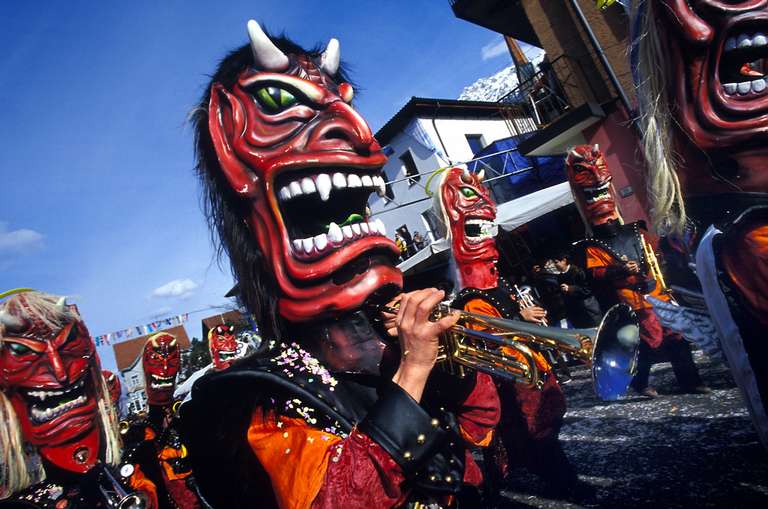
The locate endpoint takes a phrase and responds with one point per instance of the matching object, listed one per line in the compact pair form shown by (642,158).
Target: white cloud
(494,49)
(18,240)
(177,288)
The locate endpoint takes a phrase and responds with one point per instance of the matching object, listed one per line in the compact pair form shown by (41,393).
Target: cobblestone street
(679,450)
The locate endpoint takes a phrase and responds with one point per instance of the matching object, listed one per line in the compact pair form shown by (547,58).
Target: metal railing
(558,87)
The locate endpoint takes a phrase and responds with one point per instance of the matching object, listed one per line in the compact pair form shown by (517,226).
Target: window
(475,142)
(134,379)
(409,168)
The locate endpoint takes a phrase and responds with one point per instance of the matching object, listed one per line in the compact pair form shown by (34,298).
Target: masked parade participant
(332,414)
(531,416)
(155,440)
(621,264)
(701,82)
(58,429)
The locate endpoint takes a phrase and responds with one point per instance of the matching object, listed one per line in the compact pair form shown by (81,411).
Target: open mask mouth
(477,230)
(325,209)
(597,193)
(227,355)
(161,383)
(743,67)
(45,405)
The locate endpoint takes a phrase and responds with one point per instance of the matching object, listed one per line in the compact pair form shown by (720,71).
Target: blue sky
(100,201)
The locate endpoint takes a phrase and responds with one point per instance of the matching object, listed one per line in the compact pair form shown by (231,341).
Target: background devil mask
(161,360)
(223,346)
(701,78)
(288,167)
(469,212)
(50,372)
(591,183)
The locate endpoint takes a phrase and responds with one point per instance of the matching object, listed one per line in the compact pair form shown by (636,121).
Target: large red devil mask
(591,184)
(470,212)
(292,147)
(222,345)
(718,75)
(161,360)
(49,369)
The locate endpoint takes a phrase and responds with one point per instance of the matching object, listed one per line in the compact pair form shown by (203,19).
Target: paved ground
(678,450)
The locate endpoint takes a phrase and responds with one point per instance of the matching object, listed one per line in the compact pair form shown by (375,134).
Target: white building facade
(425,135)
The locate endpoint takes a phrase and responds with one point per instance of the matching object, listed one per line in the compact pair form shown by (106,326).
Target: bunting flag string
(140,330)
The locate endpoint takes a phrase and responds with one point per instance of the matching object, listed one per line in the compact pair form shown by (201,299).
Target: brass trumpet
(610,349)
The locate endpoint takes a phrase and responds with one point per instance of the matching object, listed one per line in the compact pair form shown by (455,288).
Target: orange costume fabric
(311,468)
(598,260)
(745,260)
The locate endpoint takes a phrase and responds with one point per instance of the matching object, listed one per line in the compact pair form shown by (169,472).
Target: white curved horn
(574,153)
(266,55)
(596,148)
(10,321)
(61,304)
(329,61)
(481,175)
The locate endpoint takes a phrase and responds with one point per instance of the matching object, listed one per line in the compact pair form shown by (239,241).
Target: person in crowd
(418,240)
(581,306)
(531,416)
(615,259)
(544,278)
(58,426)
(332,412)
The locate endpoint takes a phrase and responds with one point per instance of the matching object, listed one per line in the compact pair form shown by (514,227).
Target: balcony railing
(558,87)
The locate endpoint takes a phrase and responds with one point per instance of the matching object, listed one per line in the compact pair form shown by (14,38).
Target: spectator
(581,307)
(418,240)
(544,276)
(401,246)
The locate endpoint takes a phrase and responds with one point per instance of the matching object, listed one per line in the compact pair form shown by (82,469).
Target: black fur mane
(225,211)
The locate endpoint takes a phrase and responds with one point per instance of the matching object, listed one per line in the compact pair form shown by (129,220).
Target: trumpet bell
(614,353)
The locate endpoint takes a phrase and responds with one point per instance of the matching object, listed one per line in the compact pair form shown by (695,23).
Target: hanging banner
(140,330)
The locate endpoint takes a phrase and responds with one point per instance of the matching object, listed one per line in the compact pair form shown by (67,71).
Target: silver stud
(421,438)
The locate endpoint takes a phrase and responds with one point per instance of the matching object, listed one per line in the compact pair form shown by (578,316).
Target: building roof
(127,352)
(231,317)
(439,108)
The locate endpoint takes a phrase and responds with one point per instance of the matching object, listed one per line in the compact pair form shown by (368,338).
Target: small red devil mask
(161,360)
(470,213)
(293,148)
(718,75)
(223,346)
(48,369)
(591,183)
(113,385)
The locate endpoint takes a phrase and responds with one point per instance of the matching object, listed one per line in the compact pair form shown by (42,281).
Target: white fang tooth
(382,228)
(285,194)
(354,180)
(382,187)
(307,185)
(744,87)
(364,227)
(307,244)
(297,245)
(295,189)
(334,233)
(730,88)
(321,241)
(760,39)
(758,85)
(347,231)
(339,181)
(367,181)
(743,41)
(323,183)
(356,228)
(730,44)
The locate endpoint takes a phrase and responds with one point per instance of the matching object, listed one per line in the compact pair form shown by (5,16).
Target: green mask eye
(19,349)
(274,100)
(468,192)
